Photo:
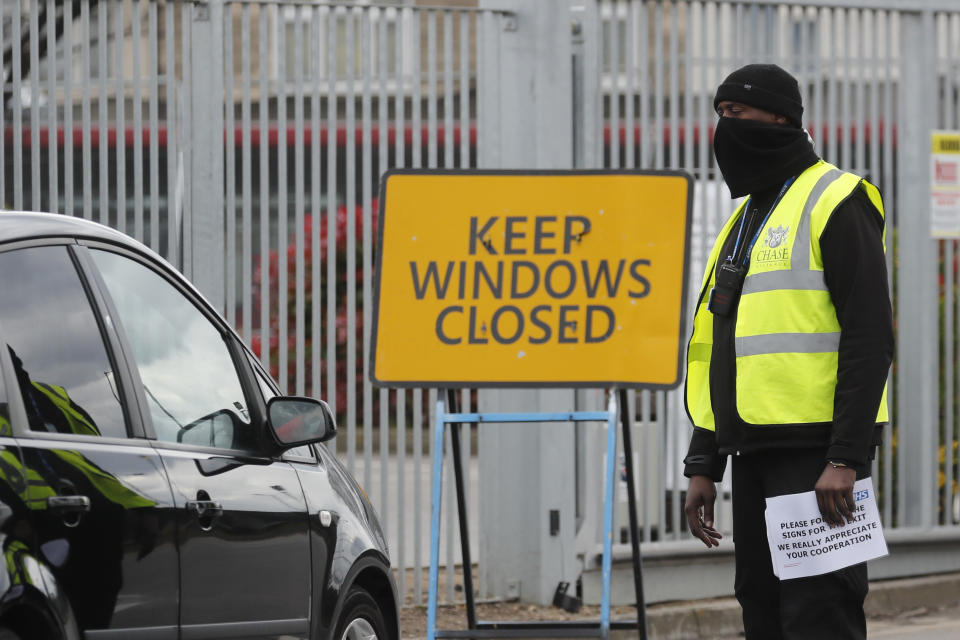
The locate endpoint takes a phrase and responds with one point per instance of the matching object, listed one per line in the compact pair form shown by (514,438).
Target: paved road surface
(940,625)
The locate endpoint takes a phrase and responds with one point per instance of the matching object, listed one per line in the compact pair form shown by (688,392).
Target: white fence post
(206,231)
(917,334)
(528,470)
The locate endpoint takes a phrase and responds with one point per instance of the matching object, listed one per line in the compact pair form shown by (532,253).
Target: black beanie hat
(765,86)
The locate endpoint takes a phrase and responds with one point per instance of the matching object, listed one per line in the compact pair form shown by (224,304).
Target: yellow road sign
(543,279)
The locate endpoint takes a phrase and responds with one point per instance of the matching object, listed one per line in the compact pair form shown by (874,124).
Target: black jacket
(856,276)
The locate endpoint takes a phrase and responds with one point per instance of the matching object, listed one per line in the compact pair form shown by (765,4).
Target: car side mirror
(296,421)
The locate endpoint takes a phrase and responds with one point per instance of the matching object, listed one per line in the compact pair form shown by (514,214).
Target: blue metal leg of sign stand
(526,630)
(435,521)
(608,515)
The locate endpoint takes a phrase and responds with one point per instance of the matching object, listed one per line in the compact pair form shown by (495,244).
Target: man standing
(791,345)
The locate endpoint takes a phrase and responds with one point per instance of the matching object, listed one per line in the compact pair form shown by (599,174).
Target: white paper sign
(803,544)
(945,184)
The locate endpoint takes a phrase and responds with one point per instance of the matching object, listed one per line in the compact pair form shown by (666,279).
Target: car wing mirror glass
(295,421)
(216,429)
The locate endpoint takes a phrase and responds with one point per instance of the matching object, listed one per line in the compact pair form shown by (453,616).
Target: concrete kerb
(694,620)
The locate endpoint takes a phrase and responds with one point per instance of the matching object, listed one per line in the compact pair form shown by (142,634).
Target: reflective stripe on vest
(787,343)
(787,334)
(108,485)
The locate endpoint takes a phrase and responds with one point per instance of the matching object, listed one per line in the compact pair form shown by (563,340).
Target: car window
(65,376)
(189,379)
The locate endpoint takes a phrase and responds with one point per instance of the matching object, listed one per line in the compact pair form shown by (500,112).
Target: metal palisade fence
(244,140)
(134,112)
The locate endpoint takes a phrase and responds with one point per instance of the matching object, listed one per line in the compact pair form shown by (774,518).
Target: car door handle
(69,504)
(205,508)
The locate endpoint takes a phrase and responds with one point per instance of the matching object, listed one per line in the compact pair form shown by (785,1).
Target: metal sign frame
(556,629)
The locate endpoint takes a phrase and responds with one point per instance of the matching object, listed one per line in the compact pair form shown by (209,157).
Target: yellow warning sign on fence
(498,279)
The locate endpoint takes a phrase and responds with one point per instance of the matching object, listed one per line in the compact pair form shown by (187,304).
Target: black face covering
(754,156)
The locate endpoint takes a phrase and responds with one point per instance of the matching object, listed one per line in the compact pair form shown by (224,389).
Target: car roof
(25,225)
(16,226)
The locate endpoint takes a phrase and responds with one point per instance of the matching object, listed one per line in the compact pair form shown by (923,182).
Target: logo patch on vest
(776,236)
(774,247)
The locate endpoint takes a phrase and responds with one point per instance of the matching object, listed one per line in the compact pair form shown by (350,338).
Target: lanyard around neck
(743,218)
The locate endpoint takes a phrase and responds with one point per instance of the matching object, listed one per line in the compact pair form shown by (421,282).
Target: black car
(153,481)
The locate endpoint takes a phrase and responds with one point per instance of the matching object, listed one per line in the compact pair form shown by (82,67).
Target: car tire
(361,618)
(6,634)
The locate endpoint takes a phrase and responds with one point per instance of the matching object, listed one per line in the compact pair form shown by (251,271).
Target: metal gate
(134,112)
(243,140)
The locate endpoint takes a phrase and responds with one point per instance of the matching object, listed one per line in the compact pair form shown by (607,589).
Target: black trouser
(825,606)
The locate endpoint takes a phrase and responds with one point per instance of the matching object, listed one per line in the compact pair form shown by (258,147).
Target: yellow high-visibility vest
(77,421)
(787,333)
(26,482)
(109,485)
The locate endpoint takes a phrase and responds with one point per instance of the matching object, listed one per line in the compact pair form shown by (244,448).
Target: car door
(242,521)
(103,511)
(322,506)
